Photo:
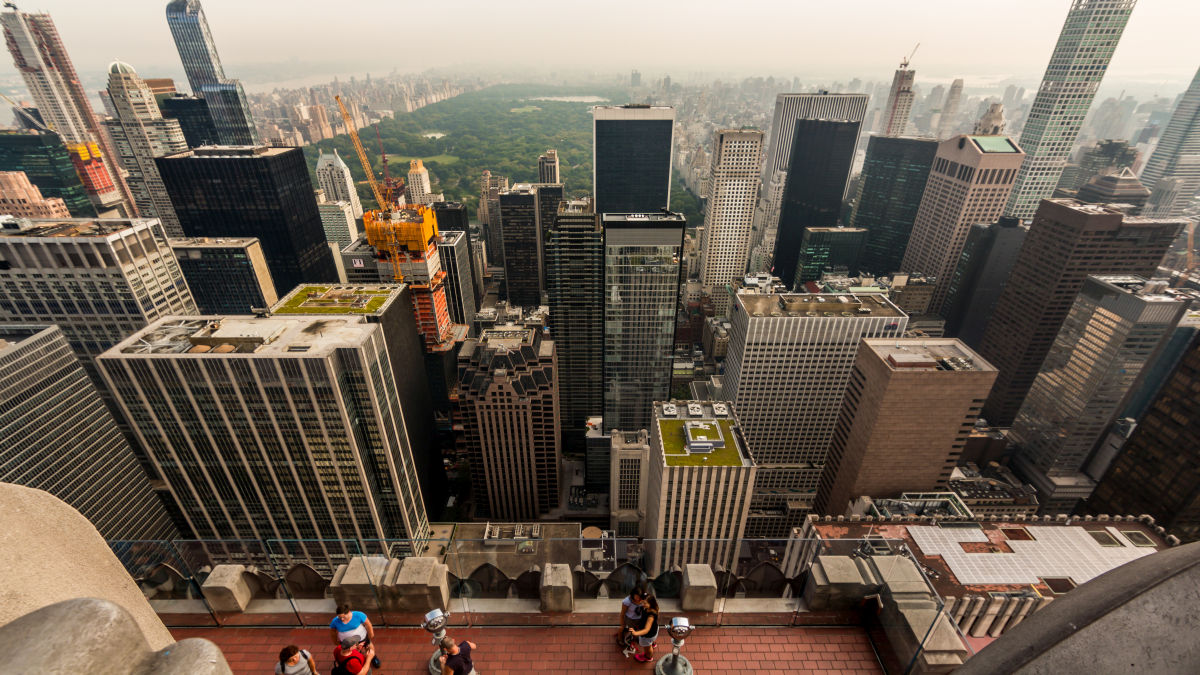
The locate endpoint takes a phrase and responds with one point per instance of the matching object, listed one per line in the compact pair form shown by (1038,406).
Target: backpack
(340,668)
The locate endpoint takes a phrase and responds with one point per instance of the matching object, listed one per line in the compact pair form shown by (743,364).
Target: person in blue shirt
(349,623)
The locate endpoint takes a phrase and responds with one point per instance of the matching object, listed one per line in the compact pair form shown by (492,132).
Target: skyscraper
(1067,242)
(575,288)
(337,219)
(548,167)
(786,372)
(698,486)
(64,440)
(1115,327)
(641,292)
(418,189)
(632,148)
(215,400)
(522,245)
(489,215)
(333,177)
(821,157)
(909,407)
(454,251)
(98,280)
(253,192)
(729,211)
(889,194)
(44,159)
(140,133)
(20,198)
(987,258)
(1156,472)
(828,249)
(899,101)
(788,109)
(41,58)
(226,276)
(949,118)
(970,179)
(1177,155)
(194,119)
(226,100)
(508,379)
(1086,44)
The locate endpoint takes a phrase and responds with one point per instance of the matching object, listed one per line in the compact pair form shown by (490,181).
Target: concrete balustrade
(226,589)
(699,592)
(557,590)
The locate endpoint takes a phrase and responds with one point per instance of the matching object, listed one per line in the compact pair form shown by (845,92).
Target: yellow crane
(384,205)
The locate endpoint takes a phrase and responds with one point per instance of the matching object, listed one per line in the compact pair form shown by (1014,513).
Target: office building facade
(508,392)
(909,407)
(632,150)
(575,291)
(786,371)
(489,215)
(642,254)
(226,276)
(629,468)
(699,485)
(226,99)
(1066,242)
(899,102)
(889,194)
(1177,156)
(418,189)
(195,121)
(970,179)
(140,133)
(338,222)
(822,154)
(334,179)
(273,428)
(1114,329)
(828,249)
(455,253)
(988,255)
(253,192)
(548,167)
(43,158)
(1085,46)
(20,198)
(59,437)
(522,244)
(729,211)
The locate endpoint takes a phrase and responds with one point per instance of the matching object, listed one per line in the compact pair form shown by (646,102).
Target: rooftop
(817,305)
(68,227)
(628,219)
(215,336)
(699,433)
(1037,556)
(341,299)
(213,242)
(995,143)
(507,337)
(247,151)
(911,354)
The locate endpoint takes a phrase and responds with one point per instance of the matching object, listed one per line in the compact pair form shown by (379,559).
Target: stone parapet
(226,589)
(557,589)
(699,589)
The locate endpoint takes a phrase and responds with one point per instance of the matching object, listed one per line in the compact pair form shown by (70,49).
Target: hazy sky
(983,41)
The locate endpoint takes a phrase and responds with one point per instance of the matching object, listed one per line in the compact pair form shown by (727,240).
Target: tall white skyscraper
(1085,46)
(1177,158)
(949,115)
(786,371)
(418,189)
(140,133)
(273,428)
(788,109)
(900,101)
(548,167)
(729,214)
(333,177)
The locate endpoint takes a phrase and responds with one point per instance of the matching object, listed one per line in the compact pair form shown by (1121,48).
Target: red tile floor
(509,651)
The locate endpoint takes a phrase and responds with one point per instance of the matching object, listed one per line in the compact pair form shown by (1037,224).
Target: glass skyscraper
(641,292)
(1085,46)
(227,101)
(632,147)
(45,160)
(1177,156)
(889,193)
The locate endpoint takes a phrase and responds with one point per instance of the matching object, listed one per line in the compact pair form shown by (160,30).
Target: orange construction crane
(384,205)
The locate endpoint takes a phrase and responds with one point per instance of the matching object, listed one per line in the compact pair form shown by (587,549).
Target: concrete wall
(50,553)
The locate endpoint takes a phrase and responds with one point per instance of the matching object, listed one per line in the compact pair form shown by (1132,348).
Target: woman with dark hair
(295,661)
(647,630)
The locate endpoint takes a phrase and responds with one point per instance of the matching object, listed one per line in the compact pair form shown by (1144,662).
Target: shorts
(647,640)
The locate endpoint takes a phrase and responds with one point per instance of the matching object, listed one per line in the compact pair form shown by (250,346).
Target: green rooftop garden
(675,445)
(300,303)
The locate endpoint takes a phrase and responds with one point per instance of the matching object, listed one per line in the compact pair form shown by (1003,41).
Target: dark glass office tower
(227,275)
(822,152)
(575,286)
(253,192)
(455,253)
(987,258)
(194,118)
(451,216)
(522,245)
(631,158)
(44,159)
(829,249)
(889,192)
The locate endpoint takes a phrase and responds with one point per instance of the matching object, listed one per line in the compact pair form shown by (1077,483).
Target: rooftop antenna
(905,60)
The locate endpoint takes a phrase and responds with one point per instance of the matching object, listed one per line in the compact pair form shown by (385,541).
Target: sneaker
(642,658)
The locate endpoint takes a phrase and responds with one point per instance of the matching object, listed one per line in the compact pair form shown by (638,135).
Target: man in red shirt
(355,659)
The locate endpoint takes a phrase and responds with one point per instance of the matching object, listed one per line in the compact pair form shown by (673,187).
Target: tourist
(295,661)
(456,658)
(647,631)
(349,623)
(352,657)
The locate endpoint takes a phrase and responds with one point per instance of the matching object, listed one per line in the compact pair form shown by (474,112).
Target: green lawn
(295,305)
(524,109)
(440,159)
(675,448)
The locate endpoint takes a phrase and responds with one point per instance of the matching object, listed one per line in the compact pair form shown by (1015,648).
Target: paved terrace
(840,650)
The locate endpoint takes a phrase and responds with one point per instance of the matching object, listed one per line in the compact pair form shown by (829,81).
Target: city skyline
(1153,55)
